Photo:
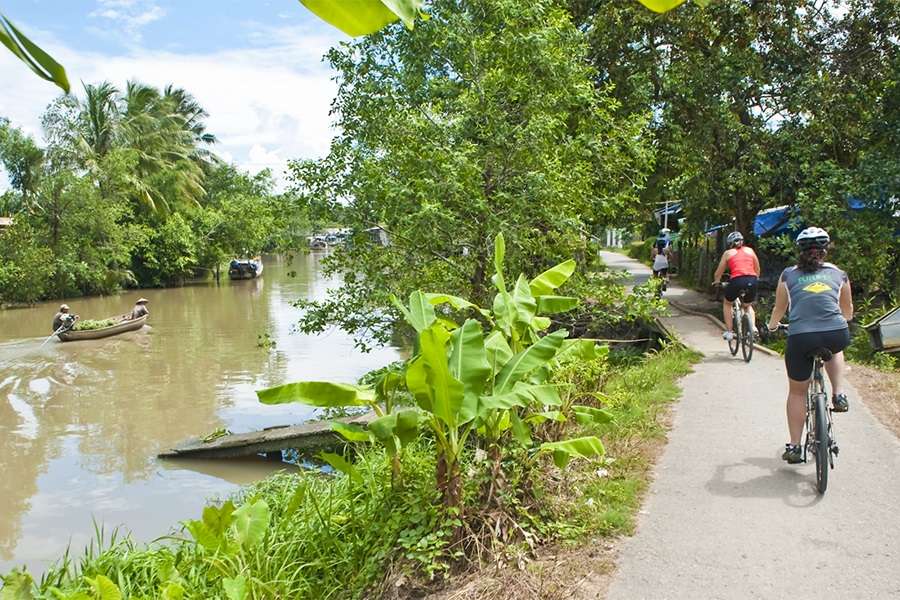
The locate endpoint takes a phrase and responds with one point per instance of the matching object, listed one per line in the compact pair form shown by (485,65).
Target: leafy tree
(21,158)
(482,119)
(166,252)
(117,197)
(25,269)
(237,217)
(762,104)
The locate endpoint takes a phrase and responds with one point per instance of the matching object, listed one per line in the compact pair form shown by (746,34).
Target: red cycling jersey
(741,263)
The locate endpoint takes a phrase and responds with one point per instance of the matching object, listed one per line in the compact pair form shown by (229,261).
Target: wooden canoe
(123,326)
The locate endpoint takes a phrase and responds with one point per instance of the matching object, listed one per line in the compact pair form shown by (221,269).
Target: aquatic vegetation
(90,324)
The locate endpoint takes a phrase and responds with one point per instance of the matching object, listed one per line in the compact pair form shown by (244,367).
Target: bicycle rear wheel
(735,342)
(822,442)
(746,338)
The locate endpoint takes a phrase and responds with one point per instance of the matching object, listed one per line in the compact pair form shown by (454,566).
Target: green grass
(328,538)
(637,397)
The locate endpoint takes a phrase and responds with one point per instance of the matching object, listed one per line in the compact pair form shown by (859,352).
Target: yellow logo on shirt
(817,288)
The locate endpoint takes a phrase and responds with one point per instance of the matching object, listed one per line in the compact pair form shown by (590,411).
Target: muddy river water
(81,422)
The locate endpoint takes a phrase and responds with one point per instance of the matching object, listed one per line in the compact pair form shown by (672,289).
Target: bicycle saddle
(824,353)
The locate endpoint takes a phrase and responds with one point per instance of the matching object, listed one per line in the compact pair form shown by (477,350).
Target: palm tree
(167,172)
(100,118)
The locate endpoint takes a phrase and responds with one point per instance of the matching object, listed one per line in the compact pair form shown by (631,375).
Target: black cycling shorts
(660,272)
(798,355)
(744,282)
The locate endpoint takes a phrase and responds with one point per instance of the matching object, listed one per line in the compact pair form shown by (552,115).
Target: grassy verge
(313,536)
(605,501)
(594,503)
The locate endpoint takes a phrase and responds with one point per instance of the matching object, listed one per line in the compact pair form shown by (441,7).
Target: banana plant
(480,379)
(391,428)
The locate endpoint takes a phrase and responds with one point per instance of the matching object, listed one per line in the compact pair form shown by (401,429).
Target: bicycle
(663,276)
(820,440)
(741,328)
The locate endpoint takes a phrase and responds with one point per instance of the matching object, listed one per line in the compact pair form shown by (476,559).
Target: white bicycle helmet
(813,237)
(733,238)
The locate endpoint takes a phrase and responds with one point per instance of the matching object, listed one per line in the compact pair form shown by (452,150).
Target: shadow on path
(794,485)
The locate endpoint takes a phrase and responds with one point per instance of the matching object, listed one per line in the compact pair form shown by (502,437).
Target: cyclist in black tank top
(821,304)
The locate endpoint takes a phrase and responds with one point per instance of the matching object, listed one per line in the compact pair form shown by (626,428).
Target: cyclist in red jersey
(743,267)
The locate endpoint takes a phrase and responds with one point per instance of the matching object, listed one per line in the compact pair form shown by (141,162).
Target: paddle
(67,324)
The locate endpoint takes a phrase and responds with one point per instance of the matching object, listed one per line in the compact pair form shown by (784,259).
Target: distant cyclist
(660,254)
(743,266)
(821,303)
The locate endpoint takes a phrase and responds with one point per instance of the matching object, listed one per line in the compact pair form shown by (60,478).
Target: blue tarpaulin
(773,221)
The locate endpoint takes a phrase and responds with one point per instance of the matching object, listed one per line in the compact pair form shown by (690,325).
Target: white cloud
(128,15)
(267,104)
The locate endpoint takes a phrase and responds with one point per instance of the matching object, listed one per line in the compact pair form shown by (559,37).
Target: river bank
(383,528)
(82,422)
(360,537)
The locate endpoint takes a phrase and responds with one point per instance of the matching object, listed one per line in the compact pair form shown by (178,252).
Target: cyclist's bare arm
(781,305)
(756,264)
(720,270)
(846,301)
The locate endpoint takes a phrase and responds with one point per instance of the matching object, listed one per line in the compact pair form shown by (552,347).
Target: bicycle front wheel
(822,442)
(746,338)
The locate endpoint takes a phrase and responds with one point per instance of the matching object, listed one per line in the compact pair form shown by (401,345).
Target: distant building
(5,222)
(378,236)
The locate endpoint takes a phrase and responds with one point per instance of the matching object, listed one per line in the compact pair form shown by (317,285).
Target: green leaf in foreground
(236,588)
(251,521)
(529,359)
(403,424)
(590,414)
(552,278)
(339,463)
(353,17)
(583,447)
(351,432)
(551,305)
(209,531)
(362,17)
(17,586)
(172,591)
(661,6)
(32,55)
(429,378)
(104,588)
(317,393)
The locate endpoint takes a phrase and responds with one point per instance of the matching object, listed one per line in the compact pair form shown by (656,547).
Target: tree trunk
(449,482)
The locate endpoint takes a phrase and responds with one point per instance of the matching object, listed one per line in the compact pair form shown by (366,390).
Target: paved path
(726,518)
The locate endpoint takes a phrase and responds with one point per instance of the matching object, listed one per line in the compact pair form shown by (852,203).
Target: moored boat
(247,268)
(123,326)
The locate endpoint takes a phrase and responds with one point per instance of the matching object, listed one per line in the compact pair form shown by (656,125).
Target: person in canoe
(62,317)
(140,309)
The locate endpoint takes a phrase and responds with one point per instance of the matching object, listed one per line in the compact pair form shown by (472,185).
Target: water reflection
(82,422)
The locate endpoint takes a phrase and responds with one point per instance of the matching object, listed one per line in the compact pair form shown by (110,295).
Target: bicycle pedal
(836,449)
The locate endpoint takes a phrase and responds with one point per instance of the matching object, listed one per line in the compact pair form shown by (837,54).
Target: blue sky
(254,64)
